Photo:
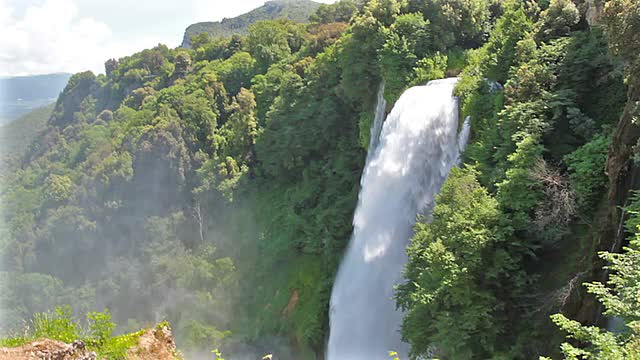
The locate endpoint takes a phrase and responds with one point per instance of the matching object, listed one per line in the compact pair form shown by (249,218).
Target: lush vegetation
(294,10)
(214,186)
(483,274)
(16,136)
(96,334)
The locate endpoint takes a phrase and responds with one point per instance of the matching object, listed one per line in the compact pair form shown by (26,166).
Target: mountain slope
(296,10)
(21,94)
(16,136)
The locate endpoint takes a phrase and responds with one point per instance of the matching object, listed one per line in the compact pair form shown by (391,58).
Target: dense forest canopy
(214,187)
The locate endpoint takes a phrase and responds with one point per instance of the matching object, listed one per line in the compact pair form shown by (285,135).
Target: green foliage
(621,20)
(100,327)
(116,348)
(57,325)
(457,264)
(236,72)
(619,298)
(406,41)
(217,354)
(520,192)
(270,41)
(364,124)
(241,158)
(430,68)
(550,119)
(242,128)
(502,47)
(455,22)
(58,188)
(298,11)
(586,171)
(62,326)
(340,11)
(16,136)
(557,20)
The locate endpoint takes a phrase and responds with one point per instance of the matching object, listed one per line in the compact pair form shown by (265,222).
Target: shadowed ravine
(418,146)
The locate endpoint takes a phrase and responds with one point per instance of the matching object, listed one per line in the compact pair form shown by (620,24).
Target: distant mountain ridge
(22,94)
(296,10)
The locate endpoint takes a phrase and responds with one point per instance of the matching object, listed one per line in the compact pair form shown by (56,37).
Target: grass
(61,325)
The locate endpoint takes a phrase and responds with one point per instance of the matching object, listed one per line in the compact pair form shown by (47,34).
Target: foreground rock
(154,344)
(46,349)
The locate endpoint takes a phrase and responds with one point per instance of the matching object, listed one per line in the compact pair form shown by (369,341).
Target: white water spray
(418,146)
(376,126)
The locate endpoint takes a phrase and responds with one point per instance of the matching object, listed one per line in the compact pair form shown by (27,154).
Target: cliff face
(295,10)
(592,11)
(621,168)
(156,344)
(624,179)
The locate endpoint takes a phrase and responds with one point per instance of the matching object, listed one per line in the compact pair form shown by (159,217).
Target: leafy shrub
(57,325)
(457,267)
(619,296)
(61,325)
(100,327)
(430,68)
(586,171)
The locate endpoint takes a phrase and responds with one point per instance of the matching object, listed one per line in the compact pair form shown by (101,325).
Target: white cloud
(50,36)
(45,36)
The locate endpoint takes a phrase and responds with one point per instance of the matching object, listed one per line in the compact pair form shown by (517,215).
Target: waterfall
(463,136)
(376,127)
(417,147)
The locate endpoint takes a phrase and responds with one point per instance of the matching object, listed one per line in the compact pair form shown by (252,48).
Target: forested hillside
(294,10)
(214,187)
(16,136)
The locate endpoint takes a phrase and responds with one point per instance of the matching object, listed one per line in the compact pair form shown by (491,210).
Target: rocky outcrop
(155,344)
(624,178)
(46,349)
(592,10)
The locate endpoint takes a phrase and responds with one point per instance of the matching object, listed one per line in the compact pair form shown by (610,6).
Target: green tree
(455,22)
(406,41)
(557,20)
(268,43)
(340,11)
(457,267)
(430,68)
(237,71)
(242,128)
(58,188)
(621,19)
(586,171)
(183,63)
(620,299)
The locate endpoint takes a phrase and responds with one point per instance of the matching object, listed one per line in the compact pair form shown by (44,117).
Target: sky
(50,36)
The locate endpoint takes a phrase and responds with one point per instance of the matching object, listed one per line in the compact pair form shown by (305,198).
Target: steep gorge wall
(624,178)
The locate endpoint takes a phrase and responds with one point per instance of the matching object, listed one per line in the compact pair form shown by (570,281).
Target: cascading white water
(418,146)
(376,126)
